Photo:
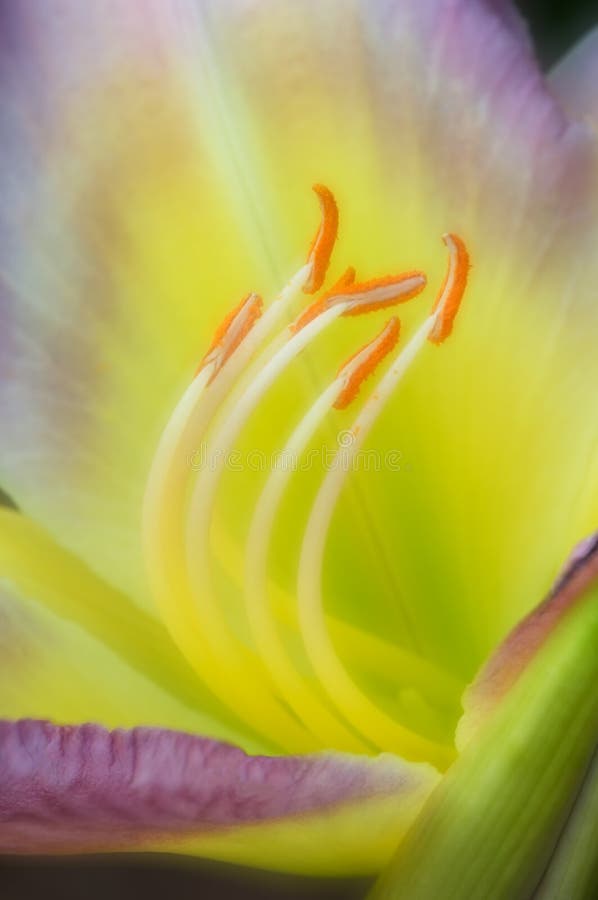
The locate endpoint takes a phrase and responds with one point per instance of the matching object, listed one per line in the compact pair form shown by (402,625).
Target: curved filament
(355,705)
(163,535)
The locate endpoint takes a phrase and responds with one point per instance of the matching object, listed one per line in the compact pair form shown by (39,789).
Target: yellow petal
(73,649)
(168,174)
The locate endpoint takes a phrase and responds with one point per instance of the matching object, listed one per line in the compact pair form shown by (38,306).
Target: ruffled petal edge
(76,789)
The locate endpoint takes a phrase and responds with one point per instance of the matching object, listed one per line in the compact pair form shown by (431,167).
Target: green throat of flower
(291,706)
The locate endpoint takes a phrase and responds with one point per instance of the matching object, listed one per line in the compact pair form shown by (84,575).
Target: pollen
(378,293)
(365,361)
(323,243)
(231,332)
(451,293)
(364,296)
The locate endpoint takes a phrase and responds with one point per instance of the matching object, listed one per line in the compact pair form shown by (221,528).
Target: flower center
(320,704)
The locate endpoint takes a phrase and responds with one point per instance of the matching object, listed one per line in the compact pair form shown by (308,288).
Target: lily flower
(289,474)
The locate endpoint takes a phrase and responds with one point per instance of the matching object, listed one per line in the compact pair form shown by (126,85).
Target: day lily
(290,473)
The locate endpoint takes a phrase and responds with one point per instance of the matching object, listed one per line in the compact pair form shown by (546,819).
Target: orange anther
(452,290)
(364,296)
(378,293)
(365,362)
(323,243)
(231,331)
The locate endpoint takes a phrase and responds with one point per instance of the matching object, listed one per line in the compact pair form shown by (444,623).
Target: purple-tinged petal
(83,788)
(575,79)
(519,648)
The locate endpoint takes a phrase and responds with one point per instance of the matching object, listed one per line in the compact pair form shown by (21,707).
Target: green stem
(490,829)
(573,871)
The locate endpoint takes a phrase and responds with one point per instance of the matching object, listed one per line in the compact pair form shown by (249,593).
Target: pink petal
(83,788)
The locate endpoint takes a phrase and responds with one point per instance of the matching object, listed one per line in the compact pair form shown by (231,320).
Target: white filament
(209,614)
(296,690)
(163,534)
(352,702)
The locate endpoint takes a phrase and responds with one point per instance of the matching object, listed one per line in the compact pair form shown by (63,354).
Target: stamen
(233,345)
(365,296)
(322,245)
(163,536)
(231,331)
(297,692)
(266,691)
(203,496)
(356,706)
(301,695)
(364,363)
(264,629)
(269,367)
(452,290)
(201,507)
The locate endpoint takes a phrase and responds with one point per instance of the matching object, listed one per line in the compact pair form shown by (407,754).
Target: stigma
(319,704)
